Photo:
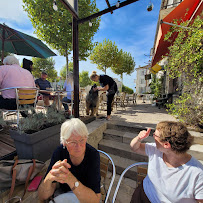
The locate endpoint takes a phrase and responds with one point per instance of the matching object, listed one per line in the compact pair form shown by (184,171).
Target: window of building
(142,81)
(170,3)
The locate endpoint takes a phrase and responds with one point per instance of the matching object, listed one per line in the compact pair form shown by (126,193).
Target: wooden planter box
(39,145)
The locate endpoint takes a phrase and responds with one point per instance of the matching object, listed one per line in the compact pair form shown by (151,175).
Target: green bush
(127,89)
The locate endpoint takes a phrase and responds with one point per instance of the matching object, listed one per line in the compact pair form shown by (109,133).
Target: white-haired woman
(68,87)
(12,75)
(75,165)
(11,60)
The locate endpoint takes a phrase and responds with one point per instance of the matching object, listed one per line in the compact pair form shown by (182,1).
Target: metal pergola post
(76,67)
(75,22)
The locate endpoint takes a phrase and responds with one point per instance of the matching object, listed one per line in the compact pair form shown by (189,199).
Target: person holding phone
(173,174)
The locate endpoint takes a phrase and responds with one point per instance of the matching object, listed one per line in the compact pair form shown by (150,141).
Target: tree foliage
(124,64)
(156,86)
(63,71)
(46,65)
(53,26)
(84,79)
(5,54)
(127,89)
(104,55)
(185,61)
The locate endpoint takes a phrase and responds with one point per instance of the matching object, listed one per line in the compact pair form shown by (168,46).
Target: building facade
(143,79)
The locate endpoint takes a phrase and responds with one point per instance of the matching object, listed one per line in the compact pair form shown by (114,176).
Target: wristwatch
(76,184)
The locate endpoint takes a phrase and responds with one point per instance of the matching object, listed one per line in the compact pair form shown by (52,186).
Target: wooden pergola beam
(100,13)
(109,6)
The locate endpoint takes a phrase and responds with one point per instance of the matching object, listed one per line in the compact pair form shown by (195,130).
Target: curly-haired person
(173,174)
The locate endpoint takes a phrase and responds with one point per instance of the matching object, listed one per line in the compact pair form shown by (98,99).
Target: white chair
(121,177)
(82,103)
(24,96)
(102,101)
(70,103)
(104,164)
(120,100)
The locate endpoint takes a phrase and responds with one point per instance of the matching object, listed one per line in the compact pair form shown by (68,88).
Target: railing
(170,3)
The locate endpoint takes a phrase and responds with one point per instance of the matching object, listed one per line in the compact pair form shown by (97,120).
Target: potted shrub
(38,135)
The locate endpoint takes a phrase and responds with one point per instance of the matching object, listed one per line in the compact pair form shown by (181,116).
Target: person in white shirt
(173,174)
(68,87)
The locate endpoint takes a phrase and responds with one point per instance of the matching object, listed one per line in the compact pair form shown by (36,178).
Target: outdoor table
(58,93)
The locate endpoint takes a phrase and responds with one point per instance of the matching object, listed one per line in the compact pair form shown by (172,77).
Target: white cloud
(12,10)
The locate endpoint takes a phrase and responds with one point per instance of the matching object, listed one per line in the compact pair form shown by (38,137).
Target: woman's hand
(136,144)
(144,134)
(60,171)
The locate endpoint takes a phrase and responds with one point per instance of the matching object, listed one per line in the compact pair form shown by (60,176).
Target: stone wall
(96,129)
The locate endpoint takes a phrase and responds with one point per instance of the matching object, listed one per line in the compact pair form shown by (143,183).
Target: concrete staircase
(116,140)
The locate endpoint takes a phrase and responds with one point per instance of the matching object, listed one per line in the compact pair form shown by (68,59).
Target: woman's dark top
(88,172)
(106,80)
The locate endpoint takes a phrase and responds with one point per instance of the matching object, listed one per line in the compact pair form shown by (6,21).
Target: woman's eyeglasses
(74,143)
(155,135)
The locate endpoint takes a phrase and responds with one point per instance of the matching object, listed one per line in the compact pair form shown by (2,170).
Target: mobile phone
(34,183)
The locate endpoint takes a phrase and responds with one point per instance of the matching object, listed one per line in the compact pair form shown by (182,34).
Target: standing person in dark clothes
(109,85)
(27,64)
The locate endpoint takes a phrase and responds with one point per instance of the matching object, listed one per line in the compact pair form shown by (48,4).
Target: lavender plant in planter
(38,135)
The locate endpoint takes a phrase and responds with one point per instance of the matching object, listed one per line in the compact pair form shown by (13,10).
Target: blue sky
(132,28)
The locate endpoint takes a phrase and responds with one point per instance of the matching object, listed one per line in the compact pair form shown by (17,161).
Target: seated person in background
(68,87)
(12,75)
(75,165)
(43,84)
(173,174)
(27,64)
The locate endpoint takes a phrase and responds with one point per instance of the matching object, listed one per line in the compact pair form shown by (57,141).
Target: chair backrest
(26,95)
(121,177)
(141,174)
(105,159)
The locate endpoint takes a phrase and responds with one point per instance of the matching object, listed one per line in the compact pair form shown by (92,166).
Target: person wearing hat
(43,84)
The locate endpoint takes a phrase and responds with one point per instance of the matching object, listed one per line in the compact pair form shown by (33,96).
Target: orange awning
(194,8)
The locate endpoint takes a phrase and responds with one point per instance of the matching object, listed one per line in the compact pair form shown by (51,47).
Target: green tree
(104,55)
(53,26)
(156,86)
(63,71)
(127,89)
(84,79)
(5,54)
(46,65)
(124,64)
(185,61)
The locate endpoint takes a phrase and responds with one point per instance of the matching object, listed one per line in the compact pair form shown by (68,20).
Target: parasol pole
(2,50)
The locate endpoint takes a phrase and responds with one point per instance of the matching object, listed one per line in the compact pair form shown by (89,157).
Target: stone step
(125,191)
(121,164)
(127,127)
(121,150)
(196,150)
(198,137)
(121,136)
